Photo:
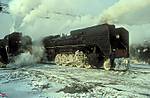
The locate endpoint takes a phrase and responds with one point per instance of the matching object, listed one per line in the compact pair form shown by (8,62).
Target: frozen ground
(52,81)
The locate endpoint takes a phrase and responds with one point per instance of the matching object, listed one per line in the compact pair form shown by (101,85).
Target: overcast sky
(39,18)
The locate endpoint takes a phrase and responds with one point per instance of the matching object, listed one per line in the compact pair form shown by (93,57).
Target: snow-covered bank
(52,81)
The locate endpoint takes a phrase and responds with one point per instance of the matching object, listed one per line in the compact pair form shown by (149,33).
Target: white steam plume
(126,10)
(22,7)
(46,17)
(27,58)
(54,15)
(133,15)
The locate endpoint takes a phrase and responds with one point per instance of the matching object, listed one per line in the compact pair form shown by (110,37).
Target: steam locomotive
(99,43)
(141,52)
(12,45)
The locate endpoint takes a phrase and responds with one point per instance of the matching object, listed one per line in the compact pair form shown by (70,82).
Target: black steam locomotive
(12,45)
(99,43)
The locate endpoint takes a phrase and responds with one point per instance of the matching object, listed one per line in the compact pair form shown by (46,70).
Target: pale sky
(86,13)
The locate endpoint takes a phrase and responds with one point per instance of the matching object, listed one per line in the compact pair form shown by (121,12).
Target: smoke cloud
(131,14)
(28,58)
(127,12)
(39,18)
(33,15)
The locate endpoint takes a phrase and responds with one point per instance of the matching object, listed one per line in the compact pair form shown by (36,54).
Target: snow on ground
(52,81)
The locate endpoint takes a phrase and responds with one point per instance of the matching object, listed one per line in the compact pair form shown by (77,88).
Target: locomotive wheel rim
(107,64)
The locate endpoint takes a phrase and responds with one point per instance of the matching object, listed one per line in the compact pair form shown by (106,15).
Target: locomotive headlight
(117,36)
(19,42)
(138,50)
(144,50)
